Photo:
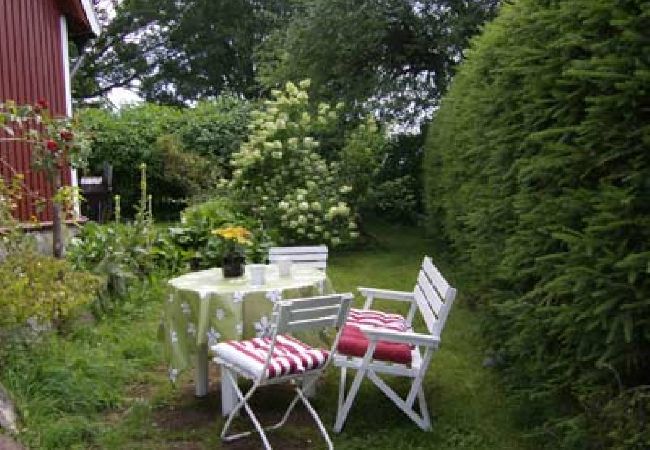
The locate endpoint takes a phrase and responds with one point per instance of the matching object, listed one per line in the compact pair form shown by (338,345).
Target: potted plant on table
(235,240)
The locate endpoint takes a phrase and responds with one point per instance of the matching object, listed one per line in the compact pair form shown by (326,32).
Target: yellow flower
(239,234)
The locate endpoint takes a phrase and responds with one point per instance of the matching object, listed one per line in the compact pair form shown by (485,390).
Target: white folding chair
(388,344)
(312,255)
(281,357)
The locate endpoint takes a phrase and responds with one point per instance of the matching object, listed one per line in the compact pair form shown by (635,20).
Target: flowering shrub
(280,178)
(43,289)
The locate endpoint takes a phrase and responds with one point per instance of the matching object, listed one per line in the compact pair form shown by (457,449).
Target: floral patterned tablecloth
(206,308)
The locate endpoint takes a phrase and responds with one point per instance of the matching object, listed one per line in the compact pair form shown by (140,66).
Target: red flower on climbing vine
(66,135)
(51,145)
(41,104)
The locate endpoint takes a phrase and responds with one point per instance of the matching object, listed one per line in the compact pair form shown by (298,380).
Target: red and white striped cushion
(290,356)
(378,319)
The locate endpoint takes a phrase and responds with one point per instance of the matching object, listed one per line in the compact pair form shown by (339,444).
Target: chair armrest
(386,294)
(426,340)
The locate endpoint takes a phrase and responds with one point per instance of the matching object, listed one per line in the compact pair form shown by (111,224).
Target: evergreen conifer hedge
(537,169)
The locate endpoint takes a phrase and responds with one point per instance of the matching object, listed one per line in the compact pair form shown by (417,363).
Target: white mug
(284,267)
(257,272)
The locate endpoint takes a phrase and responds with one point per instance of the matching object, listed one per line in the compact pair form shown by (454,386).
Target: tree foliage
(538,170)
(175,51)
(394,56)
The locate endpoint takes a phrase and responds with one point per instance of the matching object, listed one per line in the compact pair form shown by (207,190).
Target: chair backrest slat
(435,276)
(434,296)
(308,324)
(425,308)
(311,256)
(297,249)
(313,312)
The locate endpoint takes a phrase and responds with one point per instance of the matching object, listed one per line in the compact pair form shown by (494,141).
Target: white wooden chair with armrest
(311,255)
(391,347)
(283,358)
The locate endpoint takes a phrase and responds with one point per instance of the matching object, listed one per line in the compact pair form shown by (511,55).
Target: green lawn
(105,385)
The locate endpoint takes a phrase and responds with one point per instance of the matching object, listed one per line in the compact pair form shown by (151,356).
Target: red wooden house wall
(31,68)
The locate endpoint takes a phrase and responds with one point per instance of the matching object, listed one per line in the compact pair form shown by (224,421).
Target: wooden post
(57,227)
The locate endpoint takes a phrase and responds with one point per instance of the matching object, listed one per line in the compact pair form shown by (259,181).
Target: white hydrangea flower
(220,314)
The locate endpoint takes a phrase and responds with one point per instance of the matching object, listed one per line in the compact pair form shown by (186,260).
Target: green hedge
(186,150)
(537,169)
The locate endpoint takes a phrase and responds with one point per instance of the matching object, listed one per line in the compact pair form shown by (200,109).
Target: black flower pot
(233,265)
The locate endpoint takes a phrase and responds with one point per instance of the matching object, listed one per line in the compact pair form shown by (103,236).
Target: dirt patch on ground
(190,413)
(6,443)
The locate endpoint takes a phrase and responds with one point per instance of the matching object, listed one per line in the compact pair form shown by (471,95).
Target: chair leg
(307,385)
(421,421)
(313,413)
(424,411)
(243,402)
(309,388)
(343,411)
(342,386)
(228,395)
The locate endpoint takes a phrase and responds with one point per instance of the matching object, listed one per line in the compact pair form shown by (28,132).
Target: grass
(105,386)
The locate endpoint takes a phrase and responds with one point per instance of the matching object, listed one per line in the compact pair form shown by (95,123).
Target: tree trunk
(57,227)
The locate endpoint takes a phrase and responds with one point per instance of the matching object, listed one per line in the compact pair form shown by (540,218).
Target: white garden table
(204,308)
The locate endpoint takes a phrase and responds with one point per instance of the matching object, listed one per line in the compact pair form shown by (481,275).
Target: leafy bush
(43,289)
(185,149)
(119,252)
(359,161)
(396,199)
(280,178)
(215,129)
(194,238)
(537,169)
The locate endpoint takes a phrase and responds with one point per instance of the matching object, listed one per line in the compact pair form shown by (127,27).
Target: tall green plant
(537,169)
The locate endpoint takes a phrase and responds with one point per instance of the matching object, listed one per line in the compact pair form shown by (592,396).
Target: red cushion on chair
(354,343)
